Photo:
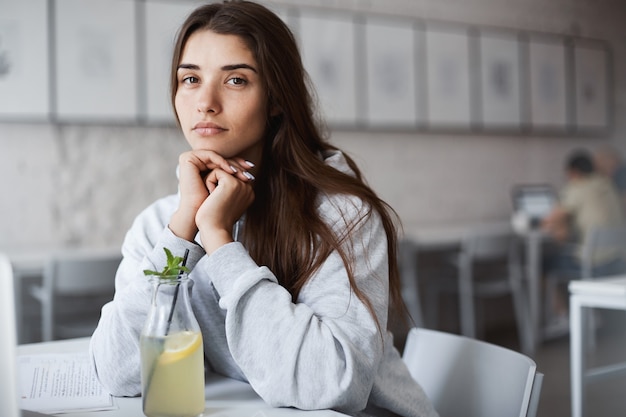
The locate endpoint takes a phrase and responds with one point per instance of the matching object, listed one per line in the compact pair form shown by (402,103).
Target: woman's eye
(237,81)
(189,80)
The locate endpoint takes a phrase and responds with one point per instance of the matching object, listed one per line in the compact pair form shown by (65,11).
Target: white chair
(604,238)
(466,377)
(74,288)
(612,239)
(8,391)
(488,266)
(407,262)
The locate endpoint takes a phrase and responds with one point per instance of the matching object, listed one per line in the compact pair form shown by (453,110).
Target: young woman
(293,256)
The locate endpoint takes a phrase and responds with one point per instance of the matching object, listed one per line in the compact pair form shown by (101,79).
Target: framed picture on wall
(591,86)
(500,81)
(329,56)
(391,73)
(448,77)
(548,83)
(96,62)
(162,20)
(24,60)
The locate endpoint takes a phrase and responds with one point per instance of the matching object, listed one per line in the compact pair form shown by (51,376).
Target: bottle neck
(170,309)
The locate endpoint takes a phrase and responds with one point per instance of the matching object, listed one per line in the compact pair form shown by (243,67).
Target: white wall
(83,185)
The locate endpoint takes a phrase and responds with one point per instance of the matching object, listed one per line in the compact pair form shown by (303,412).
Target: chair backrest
(8,342)
(470,378)
(485,244)
(82,273)
(490,245)
(610,238)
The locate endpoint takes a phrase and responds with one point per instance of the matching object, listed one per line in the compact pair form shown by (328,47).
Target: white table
(597,293)
(31,262)
(225,397)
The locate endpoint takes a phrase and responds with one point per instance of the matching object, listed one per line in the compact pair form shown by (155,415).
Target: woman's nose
(208,99)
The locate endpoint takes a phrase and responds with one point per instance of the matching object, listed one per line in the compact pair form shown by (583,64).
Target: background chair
(470,378)
(601,239)
(488,266)
(74,288)
(407,260)
(8,391)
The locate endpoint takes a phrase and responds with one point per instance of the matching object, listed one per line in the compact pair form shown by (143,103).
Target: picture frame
(67,61)
(448,75)
(592,100)
(500,91)
(161,21)
(24,61)
(548,84)
(329,55)
(392,74)
(96,61)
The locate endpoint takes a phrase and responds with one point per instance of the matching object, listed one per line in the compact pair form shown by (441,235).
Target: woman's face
(221,101)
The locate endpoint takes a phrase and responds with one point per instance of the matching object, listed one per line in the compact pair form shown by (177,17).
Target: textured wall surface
(82,185)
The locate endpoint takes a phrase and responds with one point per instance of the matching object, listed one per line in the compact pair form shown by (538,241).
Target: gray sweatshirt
(322,352)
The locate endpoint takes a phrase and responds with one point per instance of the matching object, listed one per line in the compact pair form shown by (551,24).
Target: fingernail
(233,168)
(248,175)
(250,164)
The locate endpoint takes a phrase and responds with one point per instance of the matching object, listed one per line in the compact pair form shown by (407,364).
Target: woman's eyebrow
(224,68)
(238,66)
(188,66)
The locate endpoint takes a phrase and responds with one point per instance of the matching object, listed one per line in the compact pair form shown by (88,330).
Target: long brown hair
(283,229)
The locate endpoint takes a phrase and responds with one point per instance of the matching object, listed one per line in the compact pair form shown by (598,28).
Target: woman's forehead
(204,41)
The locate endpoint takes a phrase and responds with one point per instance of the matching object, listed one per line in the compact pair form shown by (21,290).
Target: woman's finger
(211,180)
(211,160)
(237,166)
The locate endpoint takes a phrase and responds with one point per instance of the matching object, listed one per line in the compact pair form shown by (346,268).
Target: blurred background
(80,183)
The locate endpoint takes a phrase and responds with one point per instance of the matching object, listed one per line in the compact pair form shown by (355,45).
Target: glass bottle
(172,358)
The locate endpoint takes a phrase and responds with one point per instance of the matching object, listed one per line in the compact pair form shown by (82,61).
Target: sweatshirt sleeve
(114,346)
(324,350)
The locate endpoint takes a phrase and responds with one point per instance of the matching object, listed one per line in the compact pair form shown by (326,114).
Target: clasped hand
(214,194)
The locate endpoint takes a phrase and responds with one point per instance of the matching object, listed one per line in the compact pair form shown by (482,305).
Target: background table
(599,293)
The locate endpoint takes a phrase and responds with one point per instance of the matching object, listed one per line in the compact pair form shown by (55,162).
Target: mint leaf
(174,266)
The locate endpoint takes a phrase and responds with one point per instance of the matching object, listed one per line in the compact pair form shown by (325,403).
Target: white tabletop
(225,397)
(614,286)
(608,293)
(435,237)
(32,261)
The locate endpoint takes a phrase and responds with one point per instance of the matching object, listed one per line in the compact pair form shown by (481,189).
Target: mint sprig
(173,268)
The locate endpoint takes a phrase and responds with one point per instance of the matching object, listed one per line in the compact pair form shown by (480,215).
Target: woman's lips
(208,129)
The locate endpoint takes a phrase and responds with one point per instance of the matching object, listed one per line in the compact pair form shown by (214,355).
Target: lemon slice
(180,346)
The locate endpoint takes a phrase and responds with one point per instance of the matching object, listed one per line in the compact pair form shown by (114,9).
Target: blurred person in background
(608,161)
(588,200)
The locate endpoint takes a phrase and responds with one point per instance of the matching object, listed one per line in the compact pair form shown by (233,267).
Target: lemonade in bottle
(172,358)
(172,368)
